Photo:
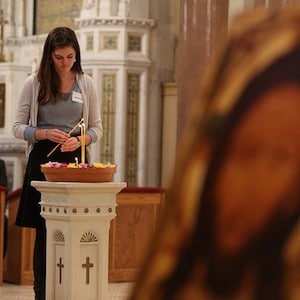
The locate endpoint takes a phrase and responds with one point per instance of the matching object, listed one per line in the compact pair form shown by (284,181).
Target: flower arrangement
(78,172)
(77,165)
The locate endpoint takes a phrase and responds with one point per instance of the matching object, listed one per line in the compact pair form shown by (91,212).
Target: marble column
(9,29)
(168,137)
(203,27)
(20,18)
(123,8)
(77,218)
(105,8)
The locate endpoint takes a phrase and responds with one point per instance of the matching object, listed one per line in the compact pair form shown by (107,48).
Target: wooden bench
(2,209)
(18,263)
(137,213)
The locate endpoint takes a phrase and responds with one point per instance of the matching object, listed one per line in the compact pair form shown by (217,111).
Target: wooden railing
(137,213)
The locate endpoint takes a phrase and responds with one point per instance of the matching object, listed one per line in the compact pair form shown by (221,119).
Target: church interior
(149,59)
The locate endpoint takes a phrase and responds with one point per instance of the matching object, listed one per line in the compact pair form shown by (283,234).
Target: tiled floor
(116,291)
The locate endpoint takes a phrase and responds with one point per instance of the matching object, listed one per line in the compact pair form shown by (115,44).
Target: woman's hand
(71,144)
(57,136)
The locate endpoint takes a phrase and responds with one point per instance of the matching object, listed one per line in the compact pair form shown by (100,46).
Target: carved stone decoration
(88,237)
(59,236)
(93,22)
(60,265)
(87,265)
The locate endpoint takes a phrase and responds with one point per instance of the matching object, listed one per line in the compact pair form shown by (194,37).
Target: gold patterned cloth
(230,228)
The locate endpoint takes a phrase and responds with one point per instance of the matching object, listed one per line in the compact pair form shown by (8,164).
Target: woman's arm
(91,112)
(24,107)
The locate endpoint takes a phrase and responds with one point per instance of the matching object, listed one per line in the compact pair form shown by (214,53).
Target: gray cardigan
(27,108)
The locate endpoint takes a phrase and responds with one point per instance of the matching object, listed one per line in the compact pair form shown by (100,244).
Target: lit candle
(83,142)
(82,131)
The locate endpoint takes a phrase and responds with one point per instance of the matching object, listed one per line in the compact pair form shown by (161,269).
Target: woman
(51,103)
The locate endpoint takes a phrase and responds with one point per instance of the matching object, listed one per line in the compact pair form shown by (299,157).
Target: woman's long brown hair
(58,37)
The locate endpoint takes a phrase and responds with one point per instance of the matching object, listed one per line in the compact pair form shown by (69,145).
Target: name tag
(77,97)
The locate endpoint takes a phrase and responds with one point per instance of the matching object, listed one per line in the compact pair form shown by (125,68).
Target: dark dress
(29,208)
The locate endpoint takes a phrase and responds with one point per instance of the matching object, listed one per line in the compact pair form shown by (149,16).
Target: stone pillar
(105,8)
(20,18)
(77,218)
(168,137)
(123,10)
(9,29)
(203,28)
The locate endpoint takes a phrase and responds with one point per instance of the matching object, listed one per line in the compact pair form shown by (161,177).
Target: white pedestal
(77,218)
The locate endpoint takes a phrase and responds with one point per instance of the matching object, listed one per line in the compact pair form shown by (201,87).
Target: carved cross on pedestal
(60,265)
(87,265)
(2,23)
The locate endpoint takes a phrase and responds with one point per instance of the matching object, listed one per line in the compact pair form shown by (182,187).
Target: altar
(77,218)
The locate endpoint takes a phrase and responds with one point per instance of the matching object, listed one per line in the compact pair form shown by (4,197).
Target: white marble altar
(78,218)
